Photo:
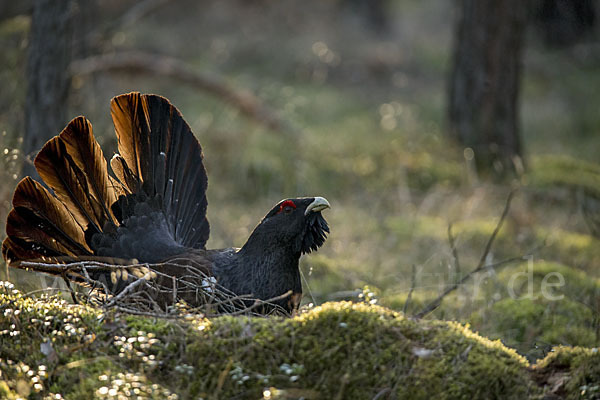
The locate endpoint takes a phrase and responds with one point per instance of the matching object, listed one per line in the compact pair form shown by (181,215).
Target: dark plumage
(153,210)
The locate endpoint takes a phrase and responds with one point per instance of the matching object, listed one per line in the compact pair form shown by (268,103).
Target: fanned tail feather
(160,156)
(154,208)
(47,226)
(41,226)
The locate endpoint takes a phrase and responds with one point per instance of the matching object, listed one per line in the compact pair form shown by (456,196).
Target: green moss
(552,171)
(51,339)
(81,375)
(368,350)
(569,248)
(6,393)
(572,373)
(479,360)
(141,324)
(424,173)
(541,305)
(345,350)
(418,300)
(534,326)
(560,281)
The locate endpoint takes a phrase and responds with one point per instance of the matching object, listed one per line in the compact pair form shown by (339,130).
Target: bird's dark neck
(262,271)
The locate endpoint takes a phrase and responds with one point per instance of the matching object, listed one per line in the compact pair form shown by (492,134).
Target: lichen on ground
(52,349)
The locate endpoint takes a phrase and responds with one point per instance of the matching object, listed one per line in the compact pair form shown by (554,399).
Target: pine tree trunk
(484,83)
(48,77)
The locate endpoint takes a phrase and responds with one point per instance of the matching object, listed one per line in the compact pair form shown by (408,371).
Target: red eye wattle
(287,206)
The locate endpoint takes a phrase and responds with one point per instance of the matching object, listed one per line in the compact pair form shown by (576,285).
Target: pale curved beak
(318,204)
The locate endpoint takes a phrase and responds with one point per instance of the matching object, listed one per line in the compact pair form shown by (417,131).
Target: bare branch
(481,266)
(258,303)
(452,242)
(129,289)
(144,289)
(138,11)
(71,291)
(159,64)
(135,13)
(413,283)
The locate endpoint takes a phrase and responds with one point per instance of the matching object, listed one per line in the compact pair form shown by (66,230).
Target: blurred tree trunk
(565,23)
(48,78)
(11,9)
(374,12)
(484,82)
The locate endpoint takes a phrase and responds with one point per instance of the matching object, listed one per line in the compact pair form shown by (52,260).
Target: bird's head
(295,224)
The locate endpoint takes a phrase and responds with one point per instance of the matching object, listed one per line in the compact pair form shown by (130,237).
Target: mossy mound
(338,350)
(535,326)
(356,351)
(556,281)
(543,305)
(570,373)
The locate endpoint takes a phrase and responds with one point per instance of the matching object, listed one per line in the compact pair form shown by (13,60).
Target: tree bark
(48,78)
(11,9)
(484,84)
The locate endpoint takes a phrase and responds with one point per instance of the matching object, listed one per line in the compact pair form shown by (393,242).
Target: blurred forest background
(415,119)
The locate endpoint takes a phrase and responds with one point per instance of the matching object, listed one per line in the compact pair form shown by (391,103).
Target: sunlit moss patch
(353,350)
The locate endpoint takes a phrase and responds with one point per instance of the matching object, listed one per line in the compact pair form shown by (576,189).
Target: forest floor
(366,111)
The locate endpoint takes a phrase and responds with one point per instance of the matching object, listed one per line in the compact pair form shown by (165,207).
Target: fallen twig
(145,289)
(129,289)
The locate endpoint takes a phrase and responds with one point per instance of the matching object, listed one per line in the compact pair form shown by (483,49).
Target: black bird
(153,209)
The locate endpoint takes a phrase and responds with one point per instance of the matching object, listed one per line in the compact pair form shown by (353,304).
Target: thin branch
(137,12)
(136,283)
(145,313)
(261,303)
(129,17)
(71,291)
(480,267)
(174,283)
(159,64)
(149,291)
(452,242)
(413,283)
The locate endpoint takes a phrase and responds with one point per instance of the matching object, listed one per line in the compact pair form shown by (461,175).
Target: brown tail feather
(43,225)
(124,174)
(155,208)
(88,156)
(14,249)
(159,149)
(75,174)
(40,225)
